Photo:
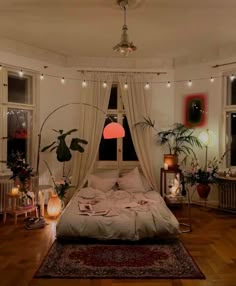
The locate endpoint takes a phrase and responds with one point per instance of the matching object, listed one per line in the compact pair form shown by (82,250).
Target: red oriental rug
(156,259)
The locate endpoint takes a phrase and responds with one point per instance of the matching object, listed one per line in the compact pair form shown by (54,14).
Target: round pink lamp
(113,130)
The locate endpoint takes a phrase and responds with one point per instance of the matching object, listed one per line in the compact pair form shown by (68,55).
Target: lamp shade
(113,130)
(207,138)
(54,206)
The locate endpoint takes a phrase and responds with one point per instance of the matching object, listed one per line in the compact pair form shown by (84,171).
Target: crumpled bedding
(128,216)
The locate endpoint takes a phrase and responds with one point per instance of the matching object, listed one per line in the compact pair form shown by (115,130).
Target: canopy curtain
(137,103)
(90,122)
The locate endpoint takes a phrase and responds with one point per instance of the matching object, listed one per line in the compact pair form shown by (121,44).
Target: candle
(14,191)
(165,166)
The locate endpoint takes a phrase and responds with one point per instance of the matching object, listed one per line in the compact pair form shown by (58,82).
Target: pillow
(107,174)
(131,182)
(103,184)
(146,185)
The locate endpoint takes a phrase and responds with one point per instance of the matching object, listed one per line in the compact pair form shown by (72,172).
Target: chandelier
(124,47)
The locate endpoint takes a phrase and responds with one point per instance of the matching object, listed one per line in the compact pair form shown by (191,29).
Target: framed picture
(195,110)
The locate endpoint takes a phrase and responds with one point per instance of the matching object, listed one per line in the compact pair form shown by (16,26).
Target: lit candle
(14,191)
(165,166)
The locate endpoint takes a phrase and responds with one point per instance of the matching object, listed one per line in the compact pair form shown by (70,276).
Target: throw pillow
(103,184)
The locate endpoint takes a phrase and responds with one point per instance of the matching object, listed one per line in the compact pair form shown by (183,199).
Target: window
(230,119)
(117,152)
(17,113)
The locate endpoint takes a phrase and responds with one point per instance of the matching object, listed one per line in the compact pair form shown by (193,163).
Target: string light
(84,83)
(21,73)
(126,85)
(147,86)
(232,77)
(189,83)
(63,80)
(212,79)
(168,84)
(41,76)
(104,84)
(0,67)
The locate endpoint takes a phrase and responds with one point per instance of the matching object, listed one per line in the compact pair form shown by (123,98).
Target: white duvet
(126,216)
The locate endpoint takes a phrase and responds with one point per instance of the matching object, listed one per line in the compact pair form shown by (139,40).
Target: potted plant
(179,139)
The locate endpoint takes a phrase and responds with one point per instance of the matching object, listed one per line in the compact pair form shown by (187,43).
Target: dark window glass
(129,153)
(19,89)
(108,147)
(113,98)
(19,131)
(233,92)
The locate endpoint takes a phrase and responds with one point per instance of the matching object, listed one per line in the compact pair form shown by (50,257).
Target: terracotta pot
(171,160)
(203,190)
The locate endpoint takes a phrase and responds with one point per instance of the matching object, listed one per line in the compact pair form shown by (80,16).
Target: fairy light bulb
(190,83)
(147,86)
(84,83)
(212,79)
(104,84)
(63,80)
(0,67)
(126,85)
(42,76)
(21,73)
(168,84)
(232,77)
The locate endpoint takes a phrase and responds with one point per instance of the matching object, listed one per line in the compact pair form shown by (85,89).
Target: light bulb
(168,84)
(126,85)
(62,80)
(21,73)
(104,84)
(232,77)
(84,83)
(41,76)
(147,86)
(190,83)
(0,67)
(212,79)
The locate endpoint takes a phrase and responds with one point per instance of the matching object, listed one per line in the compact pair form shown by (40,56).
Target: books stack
(34,222)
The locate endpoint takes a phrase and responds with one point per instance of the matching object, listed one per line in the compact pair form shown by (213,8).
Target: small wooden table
(163,172)
(12,207)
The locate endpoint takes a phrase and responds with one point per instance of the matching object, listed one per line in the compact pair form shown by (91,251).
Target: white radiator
(227,195)
(6,185)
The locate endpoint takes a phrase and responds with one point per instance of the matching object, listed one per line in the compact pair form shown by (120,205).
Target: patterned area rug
(158,259)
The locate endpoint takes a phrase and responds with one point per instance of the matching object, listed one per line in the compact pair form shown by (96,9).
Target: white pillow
(107,174)
(131,182)
(146,185)
(103,184)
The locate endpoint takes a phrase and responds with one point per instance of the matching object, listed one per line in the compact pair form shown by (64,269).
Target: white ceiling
(90,28)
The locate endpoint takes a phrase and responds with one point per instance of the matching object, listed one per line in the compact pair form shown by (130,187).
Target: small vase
(203,190)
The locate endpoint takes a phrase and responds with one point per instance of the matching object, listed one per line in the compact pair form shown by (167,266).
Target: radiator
(227,195)
(6,185)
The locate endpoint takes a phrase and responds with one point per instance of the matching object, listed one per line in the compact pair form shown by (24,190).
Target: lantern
(54,206)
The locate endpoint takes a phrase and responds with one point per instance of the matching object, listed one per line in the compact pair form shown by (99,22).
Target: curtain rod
(226,64)
(122,72)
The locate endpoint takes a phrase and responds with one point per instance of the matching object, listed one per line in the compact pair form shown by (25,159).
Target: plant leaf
(47,147)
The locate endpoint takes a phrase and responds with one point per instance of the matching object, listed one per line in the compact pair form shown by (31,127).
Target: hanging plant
(63,150)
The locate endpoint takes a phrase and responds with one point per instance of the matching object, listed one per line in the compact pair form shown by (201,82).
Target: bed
(101,212)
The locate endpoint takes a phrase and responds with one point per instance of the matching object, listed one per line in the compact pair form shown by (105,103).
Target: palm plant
(179,138)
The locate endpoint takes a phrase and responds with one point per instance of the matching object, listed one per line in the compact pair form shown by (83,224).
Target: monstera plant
(63,150)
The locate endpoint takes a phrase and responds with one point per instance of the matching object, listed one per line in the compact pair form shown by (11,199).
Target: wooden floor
(212,244)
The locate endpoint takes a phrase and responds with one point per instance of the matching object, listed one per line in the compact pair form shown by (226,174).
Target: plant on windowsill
(179,140)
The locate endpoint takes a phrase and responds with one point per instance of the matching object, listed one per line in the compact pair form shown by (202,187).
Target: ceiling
(90,28)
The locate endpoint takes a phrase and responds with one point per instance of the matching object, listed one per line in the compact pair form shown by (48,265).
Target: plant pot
(171,160)
(203,190)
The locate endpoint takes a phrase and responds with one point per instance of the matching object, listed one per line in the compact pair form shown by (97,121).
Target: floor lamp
(207,138)
(111,130)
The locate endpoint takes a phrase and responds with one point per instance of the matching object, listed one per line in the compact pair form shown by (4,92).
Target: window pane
(108,147)
(19,89)
(113,98)
(231,132)
(19,127)
(231,88)
(129,153)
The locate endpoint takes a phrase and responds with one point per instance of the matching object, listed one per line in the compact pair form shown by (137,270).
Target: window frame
(119,163)
(5,105)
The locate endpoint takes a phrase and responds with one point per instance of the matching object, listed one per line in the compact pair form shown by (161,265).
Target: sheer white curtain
(91,122)
(137,103)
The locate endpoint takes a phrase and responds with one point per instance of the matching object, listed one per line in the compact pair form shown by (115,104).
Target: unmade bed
(116,214)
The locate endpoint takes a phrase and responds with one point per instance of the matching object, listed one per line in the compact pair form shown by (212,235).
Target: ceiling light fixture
(124,47)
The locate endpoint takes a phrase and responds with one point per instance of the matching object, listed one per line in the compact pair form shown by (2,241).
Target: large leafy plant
(63,150)
(179,139)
